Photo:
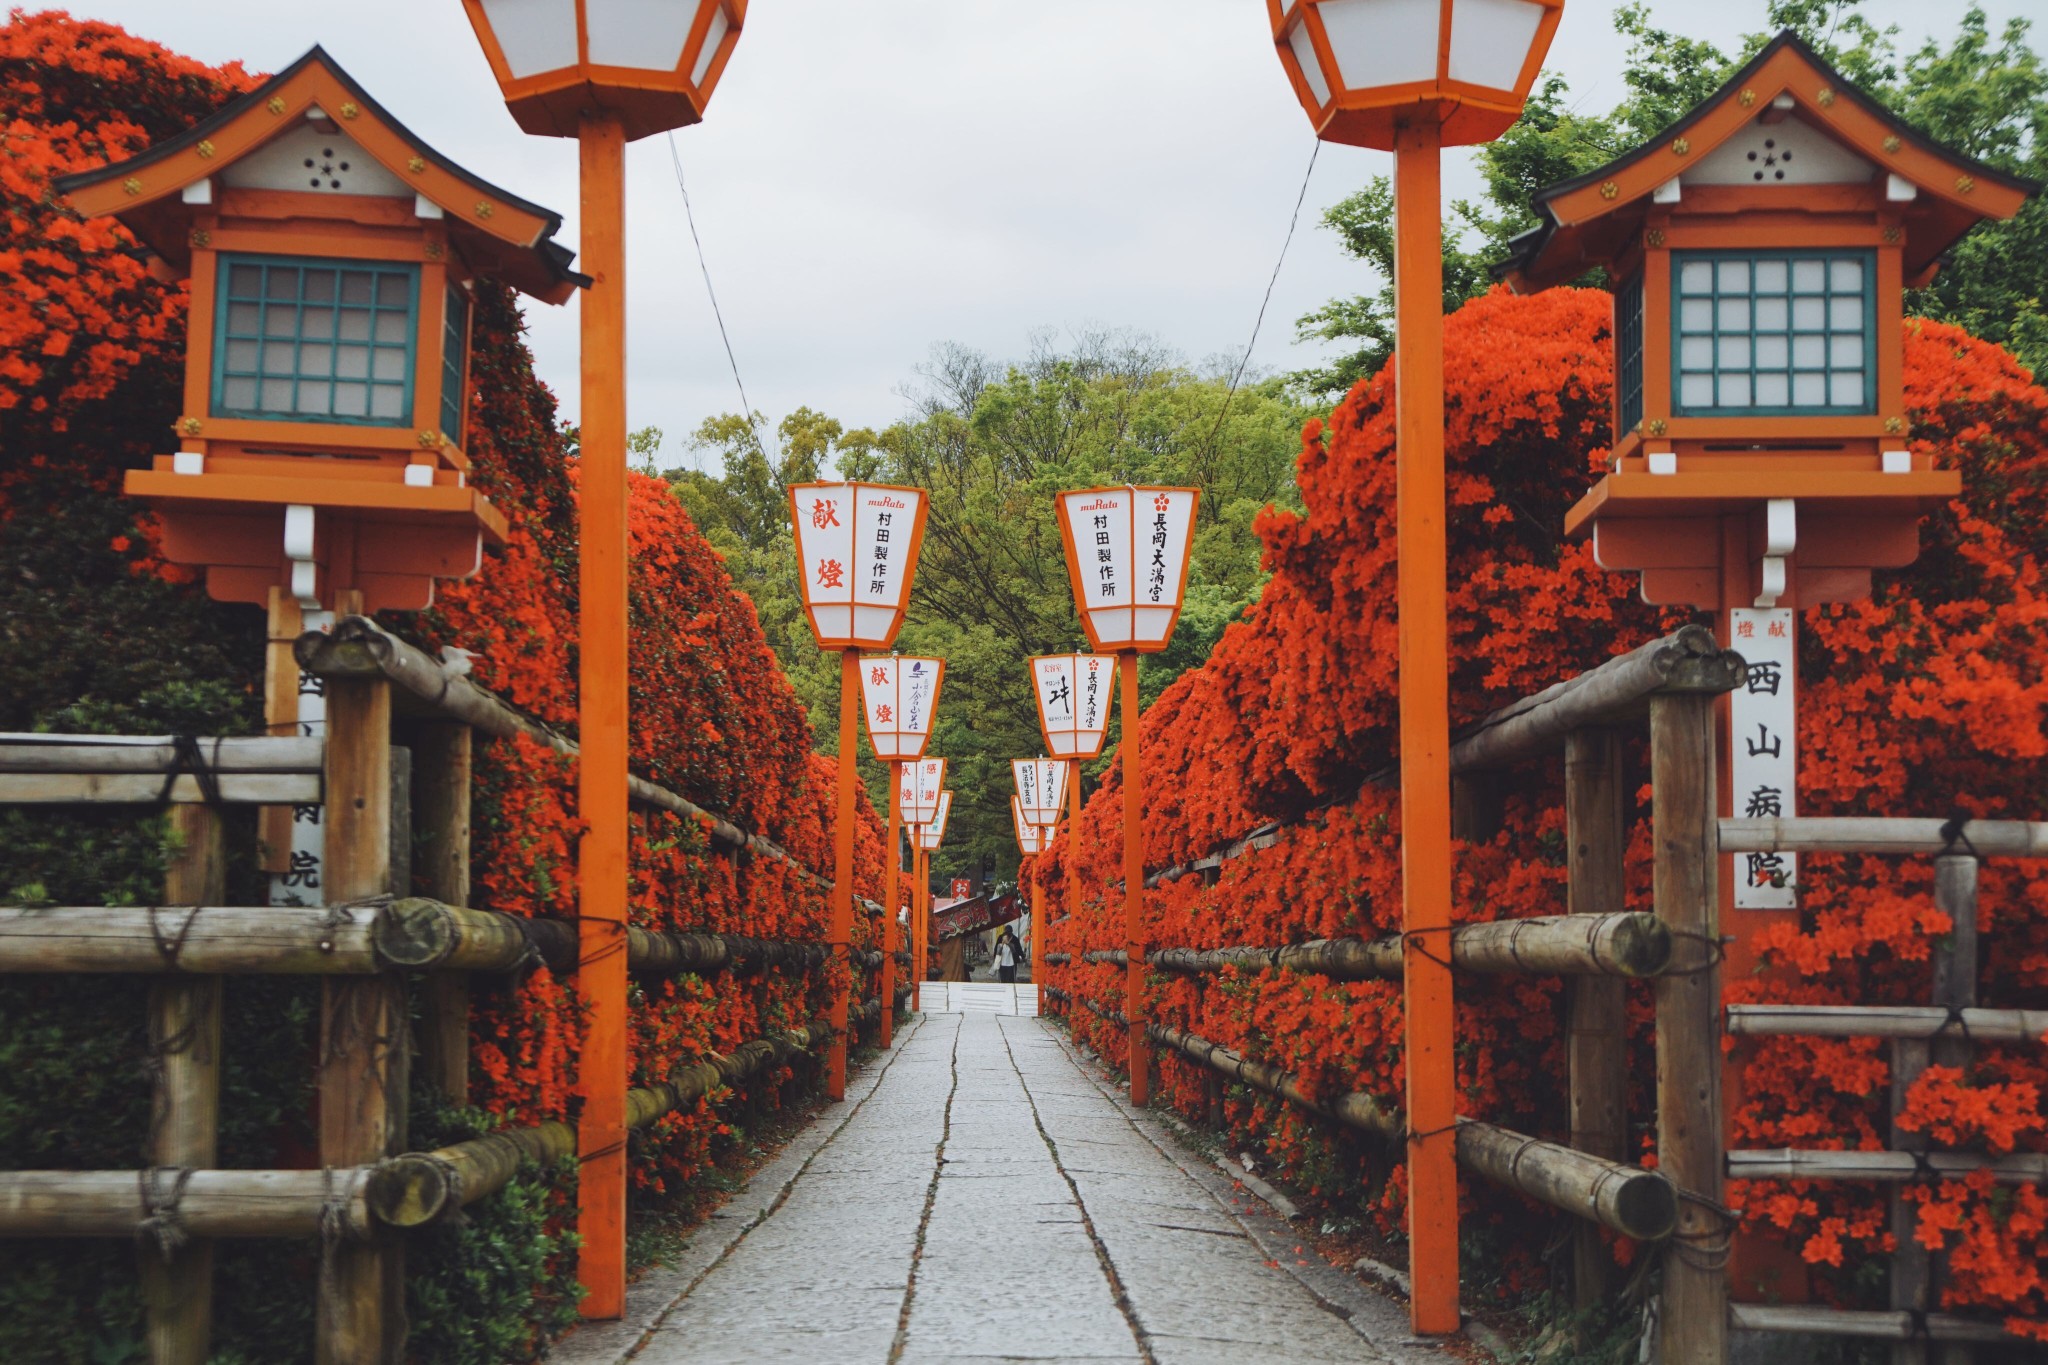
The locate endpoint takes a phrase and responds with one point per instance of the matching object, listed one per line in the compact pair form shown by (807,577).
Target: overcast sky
(876,176)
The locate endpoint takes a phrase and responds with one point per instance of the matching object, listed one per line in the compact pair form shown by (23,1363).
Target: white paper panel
(823,514)
(1762,716)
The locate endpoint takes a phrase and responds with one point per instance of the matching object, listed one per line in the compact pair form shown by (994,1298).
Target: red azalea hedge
(1929,697)
(714,719)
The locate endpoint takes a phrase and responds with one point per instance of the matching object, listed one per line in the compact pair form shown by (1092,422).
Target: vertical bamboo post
(184,1037)
(602,717)
(442,755)
(892,864)
(840,935)
(1425,725)
(280,717)
(1693,1325)
(362,1023)
(1596,1006)
(1133,758)
(1914,1269)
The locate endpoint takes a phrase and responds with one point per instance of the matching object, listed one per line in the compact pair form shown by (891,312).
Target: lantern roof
(498,233)
(1938,193)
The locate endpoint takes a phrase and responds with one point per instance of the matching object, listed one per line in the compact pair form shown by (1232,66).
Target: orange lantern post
(899,696)
(1413,77)
(856,547)
(604,72)
(920,783)
(1127,555)
(930,835)
(1074,693)
(1041,791)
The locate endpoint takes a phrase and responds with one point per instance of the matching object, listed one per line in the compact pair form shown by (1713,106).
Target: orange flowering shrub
(82,319)
(1929,697)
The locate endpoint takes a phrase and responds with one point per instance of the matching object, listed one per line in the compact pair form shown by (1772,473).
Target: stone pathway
(985,1195)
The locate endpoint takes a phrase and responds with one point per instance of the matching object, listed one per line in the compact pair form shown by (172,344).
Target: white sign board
(1762,715)
(1032,840)
(932,833)
(1041,788)
(1074,692)
(918,786)
(1127,553)
(899,696)
(856,547)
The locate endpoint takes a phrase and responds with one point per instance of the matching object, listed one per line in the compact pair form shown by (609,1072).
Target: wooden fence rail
(1924,1022)
(1870,834)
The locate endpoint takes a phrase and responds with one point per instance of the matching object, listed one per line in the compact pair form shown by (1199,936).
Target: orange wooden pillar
(1134,881)
(601,790)
(892,865)
(1425,730)
(840,935)
(1037,927)
(1073,859)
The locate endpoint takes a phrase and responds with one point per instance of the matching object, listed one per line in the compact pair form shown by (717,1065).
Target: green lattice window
(1628,351)
(315,341)
(454,362)
(1773,334)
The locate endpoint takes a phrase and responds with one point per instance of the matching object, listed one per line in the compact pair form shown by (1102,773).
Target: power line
(1245,361)
(746,408)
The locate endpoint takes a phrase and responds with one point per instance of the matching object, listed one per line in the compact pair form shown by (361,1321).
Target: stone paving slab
(984,1194)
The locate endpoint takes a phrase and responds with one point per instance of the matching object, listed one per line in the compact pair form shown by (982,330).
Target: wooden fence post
(1596,1006)
(1693,1321)
(362,1028)
(184,1040)
(1914,1268)
(442,753)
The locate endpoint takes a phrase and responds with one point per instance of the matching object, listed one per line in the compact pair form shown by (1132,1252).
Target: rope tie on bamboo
(1953,832)
(161,1225)
(186,757)
(169,946)
(1717,951)
(1956,1020)
(1710,1248)
(341,913)
(1413,938)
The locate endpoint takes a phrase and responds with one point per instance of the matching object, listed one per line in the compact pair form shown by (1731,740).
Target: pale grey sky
(876,176)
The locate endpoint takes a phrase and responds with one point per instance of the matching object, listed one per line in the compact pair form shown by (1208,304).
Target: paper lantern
(933,832)
(1127,555)
(1032,840)
(918,785)
(899,696)
(856,547)
(1041,788)
(1074,692)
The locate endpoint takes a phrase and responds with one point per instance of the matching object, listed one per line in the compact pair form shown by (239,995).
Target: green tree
(1984,95)
(992,443)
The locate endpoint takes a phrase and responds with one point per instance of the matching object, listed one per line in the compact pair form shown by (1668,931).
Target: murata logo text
(886,501)
(1103,505)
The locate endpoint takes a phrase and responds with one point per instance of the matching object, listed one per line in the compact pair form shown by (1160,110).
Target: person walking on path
(1008,954)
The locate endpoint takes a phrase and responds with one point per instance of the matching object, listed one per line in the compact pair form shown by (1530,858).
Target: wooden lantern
(1360,67)
(331,255)
(1761,248)
(1074,693)
(1127,557)
(652,66)
(856,546)
(899,696)
(1041,788)
(918,788)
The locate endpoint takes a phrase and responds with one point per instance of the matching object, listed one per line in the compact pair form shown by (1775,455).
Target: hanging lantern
(856,549)
(1127,554)
(654,66)
(1074,692)
(1032,840)
(918,786)
(933,832)
(1360,66)
(1041,788)
(899,696)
